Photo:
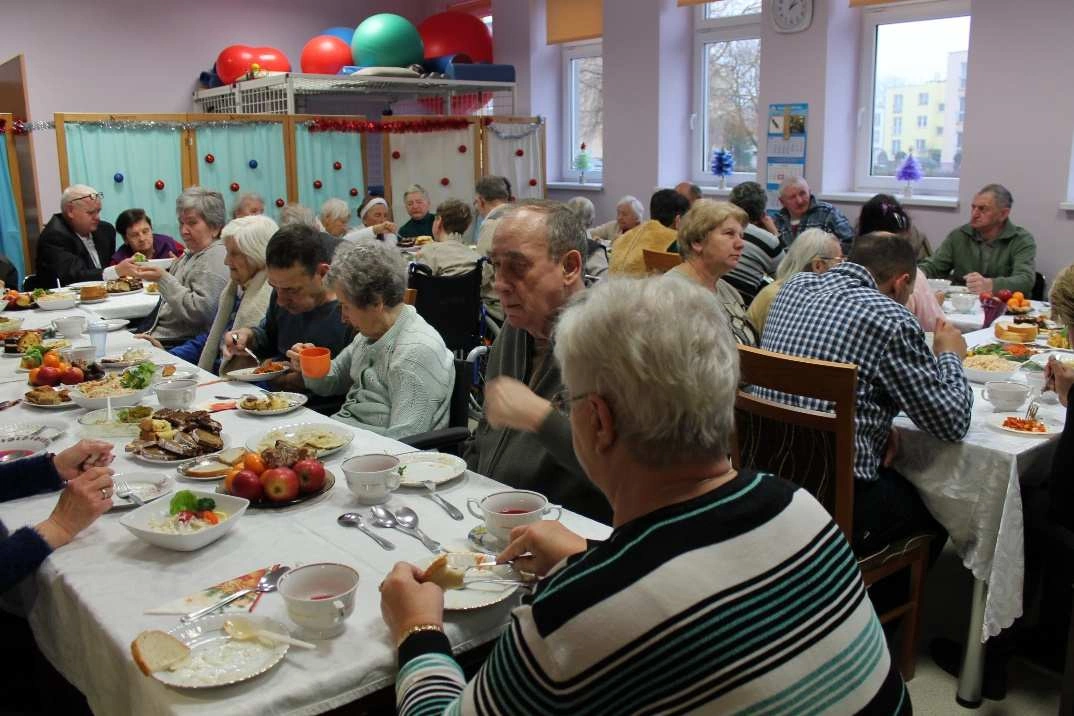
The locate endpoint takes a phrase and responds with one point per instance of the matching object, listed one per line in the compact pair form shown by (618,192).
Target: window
(896,125)
(916,50)
(583,110)
(727,51)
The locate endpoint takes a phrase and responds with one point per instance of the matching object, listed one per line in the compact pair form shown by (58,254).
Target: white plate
(292,434)
(57,406)
(22,430)
(475,596)
(248,375)
(94,424)
(114,324)
(435,466)
(483,541)
(1052,427)
(1061,356)
(147,485)
(176,461)
(295,401)
(218,660)
(126,293)
(34,445)
(189,463)
(183,375)
(82,284)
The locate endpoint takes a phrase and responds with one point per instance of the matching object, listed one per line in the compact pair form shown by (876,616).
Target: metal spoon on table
(384,518)
(409,518)
(353,519)
(267,583)
(448,507)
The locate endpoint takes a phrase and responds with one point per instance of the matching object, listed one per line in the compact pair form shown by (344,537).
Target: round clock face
(791,15)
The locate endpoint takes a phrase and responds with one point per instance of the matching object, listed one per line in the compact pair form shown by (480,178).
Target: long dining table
(90,598)
(973,488)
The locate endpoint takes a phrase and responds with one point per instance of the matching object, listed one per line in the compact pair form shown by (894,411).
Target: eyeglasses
(833,259)
(99,195)
(563,400)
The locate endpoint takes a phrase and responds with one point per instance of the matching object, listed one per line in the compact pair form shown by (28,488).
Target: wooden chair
(410,296)
(660,261)
(815,449)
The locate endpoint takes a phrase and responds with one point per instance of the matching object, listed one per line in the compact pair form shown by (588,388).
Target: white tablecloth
(132,306)
(974,319)
(972,488)
(87,602)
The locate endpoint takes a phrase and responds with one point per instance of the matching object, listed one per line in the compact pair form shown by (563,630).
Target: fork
(1031,411)
(124,491)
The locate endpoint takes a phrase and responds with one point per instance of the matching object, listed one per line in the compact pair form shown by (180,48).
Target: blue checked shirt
(819,215)
(840,316)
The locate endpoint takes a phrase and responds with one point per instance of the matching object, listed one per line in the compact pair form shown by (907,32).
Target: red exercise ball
(325,55)
(454,33)
(234,61)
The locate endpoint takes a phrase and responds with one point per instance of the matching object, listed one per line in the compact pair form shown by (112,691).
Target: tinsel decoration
(723,165)
(407,126)
(118,177)
(511,131)
(209,159)
(234,186)
(252,164)
(280,203)
(909,171)
(21,127)
(159,184)
(337,165)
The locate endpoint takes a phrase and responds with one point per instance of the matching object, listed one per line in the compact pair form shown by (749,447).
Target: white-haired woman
(643,622)
(377,222)
(814,250)
(334,217)
(397,374)
(596,262)
(248,204)
(191,287)
(629,212)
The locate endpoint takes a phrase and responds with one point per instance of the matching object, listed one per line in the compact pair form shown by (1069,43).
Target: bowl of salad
(190,520)
(122,389)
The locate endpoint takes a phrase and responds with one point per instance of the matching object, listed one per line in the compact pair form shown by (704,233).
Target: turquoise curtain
(97,155)
(316,154)
(10,230)
(234,147)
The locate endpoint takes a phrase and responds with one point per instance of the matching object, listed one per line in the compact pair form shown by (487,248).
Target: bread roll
(155,650)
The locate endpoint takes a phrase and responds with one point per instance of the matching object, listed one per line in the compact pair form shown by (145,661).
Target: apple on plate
(72,376)
(49,376)
(280,484)
(310,474)
(1004,294)
(247,484)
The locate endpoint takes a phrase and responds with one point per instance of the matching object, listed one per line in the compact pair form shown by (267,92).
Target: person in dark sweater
(301,308)
(421,219)
(75,244)
(82,473)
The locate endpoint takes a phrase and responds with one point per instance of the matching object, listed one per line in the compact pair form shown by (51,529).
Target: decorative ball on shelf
(396,154)
(159,184)
(354,191)
(280,202)
(520,152)
(533,182)
(209,159)
(317,184)
(344,33)
(455,33)
(325,55)
(445,181)
(234,186)
(337,165)
(386,40)
(118,177)
(462,149)
(252,164)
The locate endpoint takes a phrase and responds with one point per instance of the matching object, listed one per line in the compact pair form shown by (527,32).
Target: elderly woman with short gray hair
(629,212)
(397,374)
(814,250)
(784,618)
(190,289)
(335,217)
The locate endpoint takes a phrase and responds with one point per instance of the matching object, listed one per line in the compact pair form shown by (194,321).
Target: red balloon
(454,33)
(325,55)
(234,61)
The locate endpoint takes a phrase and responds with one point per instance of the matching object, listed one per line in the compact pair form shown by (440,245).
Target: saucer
(480,539)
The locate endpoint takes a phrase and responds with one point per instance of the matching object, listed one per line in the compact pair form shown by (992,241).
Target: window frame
(707,31)
(871,18)
(570,52)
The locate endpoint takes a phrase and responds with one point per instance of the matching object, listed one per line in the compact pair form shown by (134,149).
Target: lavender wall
(135,56)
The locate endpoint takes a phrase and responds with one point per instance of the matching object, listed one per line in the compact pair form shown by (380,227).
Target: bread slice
(1015,331)
(209,469)
(155,650)
(232,457)
(442,574)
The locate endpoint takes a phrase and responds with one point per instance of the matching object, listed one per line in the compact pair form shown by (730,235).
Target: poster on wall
(786,130)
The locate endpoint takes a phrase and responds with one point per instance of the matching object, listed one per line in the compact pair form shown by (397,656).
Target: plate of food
(418,467)
(1035,428)
(18,300)
(200,654)
(8,324)
(56,301)
(124,285)
(172,436)
(188,521)
(324,438)
(983,368)
(114,324)
(266,371)
(460,576)
(129,357)
(271,403)
(146,486)
(49,398)
(119,391)
(279,490)
(93,292)
(17,343)
(123,424)
(212,467)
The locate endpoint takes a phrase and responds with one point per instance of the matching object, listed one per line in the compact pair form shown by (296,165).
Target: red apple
(49,376)
(310,474)
(247,484)
(280,484)
(72,375)
(1004,294)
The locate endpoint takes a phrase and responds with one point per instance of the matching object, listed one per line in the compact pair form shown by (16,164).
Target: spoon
(353,519)
(243,629)
(409,518)
(448,507)
(267,583)
(383,518)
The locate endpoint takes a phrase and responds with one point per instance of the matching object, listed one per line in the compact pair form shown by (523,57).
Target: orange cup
(315,362)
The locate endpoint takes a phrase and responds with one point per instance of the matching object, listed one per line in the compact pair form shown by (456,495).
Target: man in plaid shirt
(856,313)
(801,210)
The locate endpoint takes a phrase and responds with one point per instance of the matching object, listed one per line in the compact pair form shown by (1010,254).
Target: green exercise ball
(387,40)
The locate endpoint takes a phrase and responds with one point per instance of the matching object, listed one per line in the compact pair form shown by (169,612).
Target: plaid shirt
(840,316)
(819,215)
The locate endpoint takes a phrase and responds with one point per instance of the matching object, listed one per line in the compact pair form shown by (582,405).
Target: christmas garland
(522,130)
(403,126)
(18,126)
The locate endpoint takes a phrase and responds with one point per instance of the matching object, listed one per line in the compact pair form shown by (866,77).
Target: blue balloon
(344,33)
(253,163)
(117,178)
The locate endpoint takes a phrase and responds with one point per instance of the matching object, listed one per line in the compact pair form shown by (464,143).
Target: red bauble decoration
(445,181)
(234,186)
(317,184)
(209,159)
(456,33)
(519,152)
(325,55)
(337,165)
(280,203)
(354,192)
(462,149)
(533,182)
(234,61)
(159,184)
(396,154)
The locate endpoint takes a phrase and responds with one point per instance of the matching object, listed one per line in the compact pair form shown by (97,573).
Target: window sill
(860,197)
(574,186)
(1066,205)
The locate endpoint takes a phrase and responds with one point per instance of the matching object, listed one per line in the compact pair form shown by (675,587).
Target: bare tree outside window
(731,8)
(587,96)
(732,88)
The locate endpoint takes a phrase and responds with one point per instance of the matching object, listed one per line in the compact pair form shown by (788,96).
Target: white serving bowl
(987,376)
(138,522)
(963,302)
(55,302)
(119,401)
(939,284)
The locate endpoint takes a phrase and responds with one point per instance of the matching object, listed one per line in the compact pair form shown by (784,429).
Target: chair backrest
(459,410)
(811,448)
(450,304)
(1039,288)
(410,296)
(660,261)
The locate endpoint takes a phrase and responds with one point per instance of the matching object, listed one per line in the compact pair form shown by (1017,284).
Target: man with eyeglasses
(75,244)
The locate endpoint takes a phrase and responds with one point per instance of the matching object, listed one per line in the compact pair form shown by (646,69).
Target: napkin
(215,593)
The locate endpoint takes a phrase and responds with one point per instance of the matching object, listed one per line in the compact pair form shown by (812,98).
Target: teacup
(1006,395)
(963,302)
(177,394)
(320,597)
(372,477)
(503,511)
(70,326)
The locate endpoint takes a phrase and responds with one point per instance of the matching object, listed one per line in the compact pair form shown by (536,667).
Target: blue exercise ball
(344,33)
(387,40)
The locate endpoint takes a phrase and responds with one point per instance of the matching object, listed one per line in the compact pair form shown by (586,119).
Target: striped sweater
(746,600)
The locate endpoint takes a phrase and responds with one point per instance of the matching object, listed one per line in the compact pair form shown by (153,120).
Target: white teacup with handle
(503,511)
(1005,395)
(320,597)
(70,326)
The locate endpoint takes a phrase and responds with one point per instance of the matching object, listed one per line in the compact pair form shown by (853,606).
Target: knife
(10,403)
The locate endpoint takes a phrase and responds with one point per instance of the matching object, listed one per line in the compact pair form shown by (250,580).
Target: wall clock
(791,15)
